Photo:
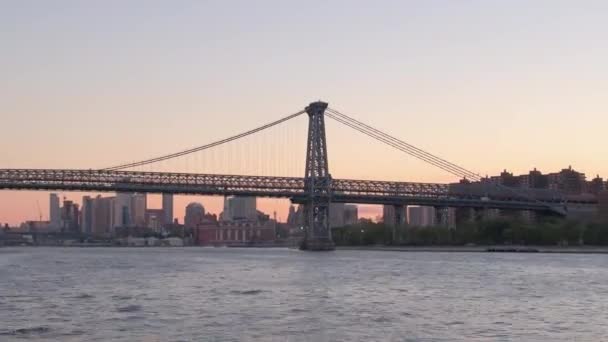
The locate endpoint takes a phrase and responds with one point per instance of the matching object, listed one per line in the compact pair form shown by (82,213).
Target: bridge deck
(343,190)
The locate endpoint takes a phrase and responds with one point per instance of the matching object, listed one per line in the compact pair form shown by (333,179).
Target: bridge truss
(293,188)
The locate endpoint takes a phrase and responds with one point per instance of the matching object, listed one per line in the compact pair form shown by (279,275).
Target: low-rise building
(235,233)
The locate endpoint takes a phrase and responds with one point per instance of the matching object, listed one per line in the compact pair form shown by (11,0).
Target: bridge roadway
(293,188)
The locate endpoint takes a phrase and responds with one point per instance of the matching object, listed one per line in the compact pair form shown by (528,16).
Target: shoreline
(380,248)
(483,249)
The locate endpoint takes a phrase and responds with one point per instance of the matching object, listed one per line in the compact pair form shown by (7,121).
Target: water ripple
(111,294)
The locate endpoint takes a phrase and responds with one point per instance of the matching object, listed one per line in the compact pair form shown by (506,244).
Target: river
(229,294)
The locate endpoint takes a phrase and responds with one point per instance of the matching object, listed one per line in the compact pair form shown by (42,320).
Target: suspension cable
(418,153)
(380,138)
(203,147)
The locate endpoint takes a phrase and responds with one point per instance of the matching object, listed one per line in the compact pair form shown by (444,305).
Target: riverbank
(483,249)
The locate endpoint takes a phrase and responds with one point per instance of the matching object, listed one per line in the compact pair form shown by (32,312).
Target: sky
(488,85)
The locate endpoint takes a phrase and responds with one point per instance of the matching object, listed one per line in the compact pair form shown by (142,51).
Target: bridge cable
(203,147)
(418,153)
(398,146)
(413,150)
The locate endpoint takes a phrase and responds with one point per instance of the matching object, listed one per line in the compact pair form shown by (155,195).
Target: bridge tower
(317,180)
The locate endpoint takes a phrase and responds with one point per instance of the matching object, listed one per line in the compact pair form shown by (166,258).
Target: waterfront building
(54,212)
(70,217)
(235,232)
(167,209)
(102,216)
(122,210)
(87,215)
(138,210)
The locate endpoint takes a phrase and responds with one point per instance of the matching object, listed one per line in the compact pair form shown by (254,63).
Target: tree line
(499,231)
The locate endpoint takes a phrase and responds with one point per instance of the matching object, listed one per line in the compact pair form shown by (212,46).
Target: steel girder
(132,181)
(342,190)
(382,188)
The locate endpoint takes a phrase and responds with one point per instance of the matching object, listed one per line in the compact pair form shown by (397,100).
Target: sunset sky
(485,84)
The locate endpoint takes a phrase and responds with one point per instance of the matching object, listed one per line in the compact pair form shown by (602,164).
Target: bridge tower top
(316,148)
(316,108)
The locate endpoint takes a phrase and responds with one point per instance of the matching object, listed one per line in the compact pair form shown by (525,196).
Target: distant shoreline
(483,249)
(415,249)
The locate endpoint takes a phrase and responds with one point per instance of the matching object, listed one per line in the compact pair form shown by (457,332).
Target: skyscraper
(70,217)
(55,212)
(239,208)
(168,208)
(102,216)
(138,210)
(87,215)
(121,216)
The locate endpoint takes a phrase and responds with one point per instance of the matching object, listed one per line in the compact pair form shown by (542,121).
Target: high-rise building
(167,208)
(121,215)
(54,212)
(421,216)
(70,217)
(138,210)
(195,213)
(87,215)
(102,216)
(239,208)
(129,210)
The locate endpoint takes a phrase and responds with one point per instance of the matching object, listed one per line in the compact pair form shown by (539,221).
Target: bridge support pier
(317,182)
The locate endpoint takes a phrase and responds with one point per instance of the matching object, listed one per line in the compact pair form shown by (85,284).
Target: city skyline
(462,80)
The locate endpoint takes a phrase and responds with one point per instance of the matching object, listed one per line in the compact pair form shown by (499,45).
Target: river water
(226,294)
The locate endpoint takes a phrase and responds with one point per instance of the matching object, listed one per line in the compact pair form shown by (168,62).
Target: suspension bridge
(315,190)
